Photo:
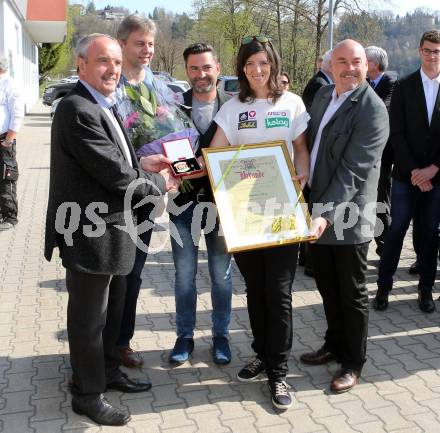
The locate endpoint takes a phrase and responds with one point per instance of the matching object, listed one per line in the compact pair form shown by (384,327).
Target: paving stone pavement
(399,391)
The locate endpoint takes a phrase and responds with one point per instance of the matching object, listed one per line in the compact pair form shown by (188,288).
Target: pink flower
(128,122)
(161,111)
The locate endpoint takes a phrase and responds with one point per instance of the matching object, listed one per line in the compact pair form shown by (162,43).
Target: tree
(48,57)
(223,24)
(91,8)
(364,28)
(58,58)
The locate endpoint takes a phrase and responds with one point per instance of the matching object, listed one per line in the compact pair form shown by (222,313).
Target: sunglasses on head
(261,38)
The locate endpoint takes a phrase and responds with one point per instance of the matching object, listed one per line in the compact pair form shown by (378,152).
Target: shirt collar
(342,96)
(102,100)
(426,79)
(376,81)
(328,77)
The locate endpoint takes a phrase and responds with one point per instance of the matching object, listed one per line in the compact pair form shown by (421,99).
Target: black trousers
(8,182)
(384,197)
(269,275)
(340,274)
(94,313)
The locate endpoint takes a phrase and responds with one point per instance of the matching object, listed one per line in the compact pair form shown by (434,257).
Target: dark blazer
(385,90)
(348,161)
(89,177)
(416,143)
(315,83)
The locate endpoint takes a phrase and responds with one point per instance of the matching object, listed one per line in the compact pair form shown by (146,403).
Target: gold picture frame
(258,202)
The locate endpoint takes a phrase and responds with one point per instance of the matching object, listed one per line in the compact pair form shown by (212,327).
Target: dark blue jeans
(185,247)
(408,201)
(134,280)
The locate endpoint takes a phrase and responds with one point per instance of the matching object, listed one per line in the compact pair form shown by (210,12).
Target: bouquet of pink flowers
(152,115)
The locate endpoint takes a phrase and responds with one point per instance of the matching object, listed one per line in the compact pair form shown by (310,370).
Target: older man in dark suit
(94,178)
(322,78)
(347,133)
(383,84)
(415,136)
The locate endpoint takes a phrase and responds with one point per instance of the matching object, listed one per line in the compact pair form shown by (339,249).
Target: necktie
(121,126)
(372,84)
(115,113)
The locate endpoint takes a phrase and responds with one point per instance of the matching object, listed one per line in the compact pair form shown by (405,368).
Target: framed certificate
(259,204)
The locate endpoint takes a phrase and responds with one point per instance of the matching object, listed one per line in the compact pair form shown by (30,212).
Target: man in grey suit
(347,133)
(94,181)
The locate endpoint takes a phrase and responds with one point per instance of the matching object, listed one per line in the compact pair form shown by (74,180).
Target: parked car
(164,76)
(179,86)
(182,83)
(55,91)
(227,86)
(70,79)
(54,106)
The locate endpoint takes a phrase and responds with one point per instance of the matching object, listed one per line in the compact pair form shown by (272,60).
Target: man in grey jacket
(347,133)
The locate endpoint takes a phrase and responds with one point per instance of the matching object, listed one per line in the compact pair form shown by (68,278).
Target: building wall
(22,52)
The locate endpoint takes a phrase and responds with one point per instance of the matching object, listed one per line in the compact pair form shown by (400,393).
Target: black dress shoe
(380,302)
(426,303)
(321,356)
(99,410)
(414,269)
(125,384)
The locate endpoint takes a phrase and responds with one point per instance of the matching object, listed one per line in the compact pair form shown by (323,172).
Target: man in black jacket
(415,136)
(322,78)
(93,172)
(202,102)
(383,84)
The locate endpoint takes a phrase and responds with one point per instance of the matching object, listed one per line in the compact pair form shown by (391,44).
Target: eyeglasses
(261,38)
(427,52)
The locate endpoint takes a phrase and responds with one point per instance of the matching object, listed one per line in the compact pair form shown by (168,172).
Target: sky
(179,6)
(401,7)
(147,6)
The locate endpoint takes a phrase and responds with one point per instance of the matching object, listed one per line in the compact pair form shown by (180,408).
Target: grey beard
(203,89)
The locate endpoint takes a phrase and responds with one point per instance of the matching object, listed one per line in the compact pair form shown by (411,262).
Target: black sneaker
(251,371)
(281,398)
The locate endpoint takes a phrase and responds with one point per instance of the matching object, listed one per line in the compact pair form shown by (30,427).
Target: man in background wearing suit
(93,169)
(347,134)
(322,78)
(383,84)
(415,136)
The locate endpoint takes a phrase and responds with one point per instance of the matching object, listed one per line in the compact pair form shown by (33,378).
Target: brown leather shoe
(130,358)
(344,380)
(321,356)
